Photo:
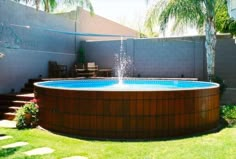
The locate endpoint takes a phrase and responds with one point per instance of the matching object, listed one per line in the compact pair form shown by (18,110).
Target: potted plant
(26,116)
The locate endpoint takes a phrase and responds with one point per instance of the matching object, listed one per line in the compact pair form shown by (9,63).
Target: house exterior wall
(99,25)
(28,45)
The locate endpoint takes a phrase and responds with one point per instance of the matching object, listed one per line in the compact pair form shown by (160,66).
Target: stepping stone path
(76,157)
(7,124)
(39,151)
(5,137)
(16,144)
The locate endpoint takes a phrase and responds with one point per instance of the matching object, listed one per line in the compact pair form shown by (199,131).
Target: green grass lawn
(218,145)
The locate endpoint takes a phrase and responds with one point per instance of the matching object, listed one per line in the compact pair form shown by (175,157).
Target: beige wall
(97,25)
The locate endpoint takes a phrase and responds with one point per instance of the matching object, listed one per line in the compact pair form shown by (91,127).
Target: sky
(127,12)
(130,13)
(122,11)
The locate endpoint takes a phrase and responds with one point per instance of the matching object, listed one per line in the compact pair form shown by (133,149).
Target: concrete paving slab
(16,144)
(39,151)
(5,137)
(76,157)
(7,123)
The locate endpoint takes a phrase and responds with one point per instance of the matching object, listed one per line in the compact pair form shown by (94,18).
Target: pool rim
(214,85)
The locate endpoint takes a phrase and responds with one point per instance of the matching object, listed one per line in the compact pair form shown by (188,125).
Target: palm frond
(219,5)
(52,4)
(82,3)
(153,14)
(210,7)
(183,12)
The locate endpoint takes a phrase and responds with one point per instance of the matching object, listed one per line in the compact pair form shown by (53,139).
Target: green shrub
(228,111)
(26,116)
(221,82)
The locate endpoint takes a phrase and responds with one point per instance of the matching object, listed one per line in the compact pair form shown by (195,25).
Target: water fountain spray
(122,62)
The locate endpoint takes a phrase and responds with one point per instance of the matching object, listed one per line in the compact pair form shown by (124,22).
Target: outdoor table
(106,72)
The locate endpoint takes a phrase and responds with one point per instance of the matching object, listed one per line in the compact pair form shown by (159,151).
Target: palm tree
(49,5)
(199,13)
(36,2)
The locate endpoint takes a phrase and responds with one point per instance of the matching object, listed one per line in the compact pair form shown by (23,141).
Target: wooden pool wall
(128,115)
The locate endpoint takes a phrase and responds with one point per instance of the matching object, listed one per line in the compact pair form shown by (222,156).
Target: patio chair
(79,67)
(92,68)
(55,70)
(79,70)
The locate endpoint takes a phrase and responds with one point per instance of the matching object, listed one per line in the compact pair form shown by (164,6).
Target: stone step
(27,90)
(9,103)
(21,96)
(9,108)
(29,85)
(14,108)
(4,108)
(33,80)
(19,102)
(12,103)
(9,116)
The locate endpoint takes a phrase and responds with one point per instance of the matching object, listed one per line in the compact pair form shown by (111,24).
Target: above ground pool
(133,109)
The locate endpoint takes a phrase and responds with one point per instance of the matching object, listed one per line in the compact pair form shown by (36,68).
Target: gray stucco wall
(101,52)
(170,57)
(225,67)
(157,57)
(28,49)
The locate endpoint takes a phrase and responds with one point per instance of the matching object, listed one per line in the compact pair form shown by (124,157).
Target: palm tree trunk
(210,44)
(46,5)
(37,4)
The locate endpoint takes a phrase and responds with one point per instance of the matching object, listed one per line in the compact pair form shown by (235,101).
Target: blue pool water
(127,85)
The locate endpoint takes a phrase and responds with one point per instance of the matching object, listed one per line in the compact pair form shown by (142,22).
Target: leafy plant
(221,82)
(224,23)
(228,111)
(26,116)
(50,5)
(81,56)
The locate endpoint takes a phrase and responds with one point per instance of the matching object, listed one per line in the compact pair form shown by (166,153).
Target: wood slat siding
(128,115)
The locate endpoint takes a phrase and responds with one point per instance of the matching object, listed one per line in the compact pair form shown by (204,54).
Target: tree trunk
(210,44)
(46,6)
(37,2)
